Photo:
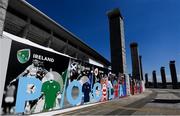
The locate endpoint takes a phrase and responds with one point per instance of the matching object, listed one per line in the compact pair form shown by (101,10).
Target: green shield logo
(23,55)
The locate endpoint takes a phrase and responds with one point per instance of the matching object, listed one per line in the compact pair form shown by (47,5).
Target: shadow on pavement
(174,101)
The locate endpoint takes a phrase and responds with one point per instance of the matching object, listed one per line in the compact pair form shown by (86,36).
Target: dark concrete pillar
(117,41)
(24,32)
(146,81)
(50,40)
(154,79)
(173,74)
(141,68)
(135,61)
(65,51)
(163,76)
(3,8)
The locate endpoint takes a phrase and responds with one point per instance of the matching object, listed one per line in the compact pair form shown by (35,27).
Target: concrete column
(146,81)
(26,29)
(141,68)
(3,7)
(77,53)
(65,51)
(163,76)
(50,40)
(117,42)
(154,79)
(135,61)
(173,74)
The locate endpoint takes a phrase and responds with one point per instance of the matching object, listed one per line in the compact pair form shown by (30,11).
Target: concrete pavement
(166,102)
(110,107)
(151,102)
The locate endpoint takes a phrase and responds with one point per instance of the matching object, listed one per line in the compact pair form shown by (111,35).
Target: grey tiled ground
(151,102)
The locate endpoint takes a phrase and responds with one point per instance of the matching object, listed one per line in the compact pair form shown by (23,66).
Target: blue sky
(154,24)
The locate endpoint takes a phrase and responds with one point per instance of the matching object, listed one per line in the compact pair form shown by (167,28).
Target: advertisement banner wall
(39,80)
(89,84)
(35,79)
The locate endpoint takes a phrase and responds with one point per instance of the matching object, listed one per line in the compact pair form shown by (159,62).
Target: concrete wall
(3,7)
(4,52)
(3,59)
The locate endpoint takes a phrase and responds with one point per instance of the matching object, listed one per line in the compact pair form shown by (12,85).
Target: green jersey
(50,90)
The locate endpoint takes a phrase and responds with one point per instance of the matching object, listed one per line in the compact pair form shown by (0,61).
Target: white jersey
(32,70)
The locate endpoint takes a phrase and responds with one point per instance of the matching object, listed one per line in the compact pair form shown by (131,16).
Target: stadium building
(38,52)
(32,24)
